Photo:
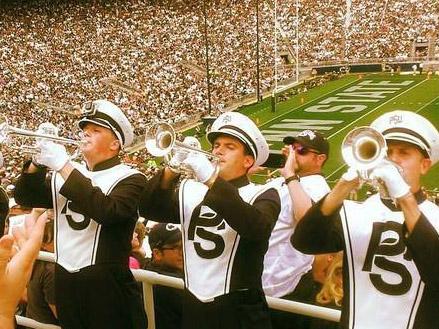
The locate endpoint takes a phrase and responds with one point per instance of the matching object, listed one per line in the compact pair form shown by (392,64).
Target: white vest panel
(76,235)
(209,243)
(380,267)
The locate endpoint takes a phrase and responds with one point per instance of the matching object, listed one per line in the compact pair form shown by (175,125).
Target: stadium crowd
(54,55)
(149,58)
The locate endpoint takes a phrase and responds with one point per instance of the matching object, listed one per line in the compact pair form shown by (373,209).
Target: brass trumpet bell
(160,141)
(364,148)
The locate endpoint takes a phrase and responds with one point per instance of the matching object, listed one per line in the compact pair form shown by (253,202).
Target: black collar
(419,196)
(106,164)
(239,181)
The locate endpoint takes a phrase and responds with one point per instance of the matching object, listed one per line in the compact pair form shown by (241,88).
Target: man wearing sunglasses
(165,242)
(391,240)
(287,272)
(95,208)
(166,258)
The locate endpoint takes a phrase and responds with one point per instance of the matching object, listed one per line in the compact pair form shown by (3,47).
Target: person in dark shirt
(167,259)
(95,208)
(4,211)
(41,288)
(16,266)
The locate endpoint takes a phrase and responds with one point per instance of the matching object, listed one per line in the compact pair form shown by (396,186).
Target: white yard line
(311,101)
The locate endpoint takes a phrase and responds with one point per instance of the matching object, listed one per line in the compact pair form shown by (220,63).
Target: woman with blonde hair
(331,294)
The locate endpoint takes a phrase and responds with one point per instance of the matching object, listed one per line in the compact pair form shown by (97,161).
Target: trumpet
(160,140)
(363,149)
(7,133)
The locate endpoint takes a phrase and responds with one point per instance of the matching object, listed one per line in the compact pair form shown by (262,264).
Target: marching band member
(226,223)
(391,272)
(95,208)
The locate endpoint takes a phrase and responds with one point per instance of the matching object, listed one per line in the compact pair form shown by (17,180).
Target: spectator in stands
(394,233)
(137,256)
(167,259)
(16,266)
(156,78)
(41,288)
(302,184)
(165,243)
(331,293)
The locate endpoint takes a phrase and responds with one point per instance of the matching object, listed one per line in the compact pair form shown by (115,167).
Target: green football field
(337,107)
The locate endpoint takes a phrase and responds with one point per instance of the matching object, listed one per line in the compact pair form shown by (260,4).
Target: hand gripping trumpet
(363,149)
(160,140)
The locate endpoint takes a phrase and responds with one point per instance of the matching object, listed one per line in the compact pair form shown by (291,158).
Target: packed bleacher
(149,58)
(59,54)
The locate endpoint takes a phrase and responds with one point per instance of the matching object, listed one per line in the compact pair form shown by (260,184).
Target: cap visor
(401,137)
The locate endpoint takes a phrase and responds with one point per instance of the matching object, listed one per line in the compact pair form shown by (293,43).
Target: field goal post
(293,52)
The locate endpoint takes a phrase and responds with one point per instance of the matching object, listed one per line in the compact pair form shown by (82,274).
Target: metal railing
(149,278)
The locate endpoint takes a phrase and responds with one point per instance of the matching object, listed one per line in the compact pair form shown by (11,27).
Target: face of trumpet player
(235,158)
(100,144)
(412,161)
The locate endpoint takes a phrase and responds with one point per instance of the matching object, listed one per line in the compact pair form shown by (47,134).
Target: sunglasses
(304,150)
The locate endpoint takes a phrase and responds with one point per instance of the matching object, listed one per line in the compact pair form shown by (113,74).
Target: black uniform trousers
(98,297)
(246,309)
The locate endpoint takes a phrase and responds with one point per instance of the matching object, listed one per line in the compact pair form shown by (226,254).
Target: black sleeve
(158,204)
(121,204)
(318,234)
(33,190)
(423,244)
(4,210)
(254,221)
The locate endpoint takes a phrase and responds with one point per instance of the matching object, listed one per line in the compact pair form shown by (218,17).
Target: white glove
(392,179)
(47,128)
(177,158)
(200,165)
(350,175)
(192,142)
(181,154)
(51,155)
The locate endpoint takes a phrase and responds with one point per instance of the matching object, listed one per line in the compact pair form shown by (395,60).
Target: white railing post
(148,300)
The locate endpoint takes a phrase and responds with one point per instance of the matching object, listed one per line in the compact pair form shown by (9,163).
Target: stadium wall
(365,68)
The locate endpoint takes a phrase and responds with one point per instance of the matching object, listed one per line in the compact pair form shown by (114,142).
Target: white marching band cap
(412,128)
(108,115)
(243,128)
